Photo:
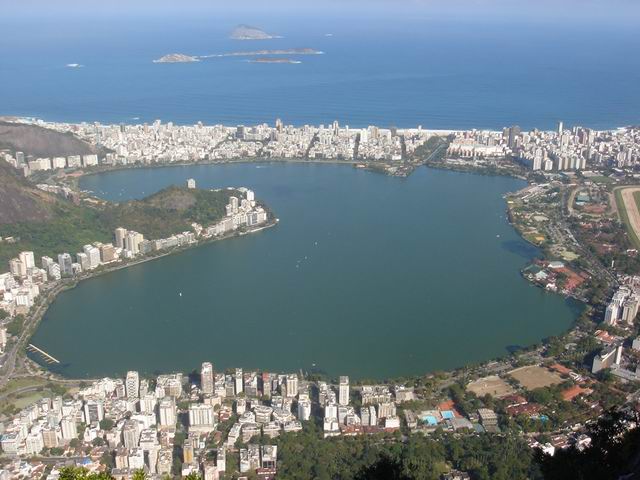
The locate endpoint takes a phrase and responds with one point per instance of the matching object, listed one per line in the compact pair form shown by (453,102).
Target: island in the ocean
(247,32)
(256,53)
(177,58)
(273,60)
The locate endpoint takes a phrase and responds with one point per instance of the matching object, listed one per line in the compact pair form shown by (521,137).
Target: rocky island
(256,53)
(246,32)
(177,58)
(273,60)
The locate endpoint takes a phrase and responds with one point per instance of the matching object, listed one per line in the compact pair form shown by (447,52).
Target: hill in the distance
(41,142)
(247,32)
(20,201)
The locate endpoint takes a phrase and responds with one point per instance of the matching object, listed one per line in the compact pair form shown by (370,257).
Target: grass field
(14,399)
(625,217)
(601,179)
(533,377)
(491,385)
(19,383)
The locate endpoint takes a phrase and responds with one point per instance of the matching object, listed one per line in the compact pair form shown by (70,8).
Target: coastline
(507,354)
(32,321)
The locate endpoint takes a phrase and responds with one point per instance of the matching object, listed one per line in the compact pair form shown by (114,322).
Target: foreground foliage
(79,473)
(614,452)
(306,455)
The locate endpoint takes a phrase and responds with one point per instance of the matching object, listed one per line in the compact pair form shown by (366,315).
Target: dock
(47,358)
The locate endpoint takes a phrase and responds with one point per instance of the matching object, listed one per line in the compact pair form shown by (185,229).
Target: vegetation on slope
(169,211)
(19,200)
(67,227)
(306,455)
(41,142)
(613,452)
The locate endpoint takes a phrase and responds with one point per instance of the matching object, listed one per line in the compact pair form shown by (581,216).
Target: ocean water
(438,73)
(365,275)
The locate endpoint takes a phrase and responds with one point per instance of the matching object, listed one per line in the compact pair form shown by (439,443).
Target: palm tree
(139,475)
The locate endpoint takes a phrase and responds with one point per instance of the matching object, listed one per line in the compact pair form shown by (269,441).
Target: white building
(343,394)
(202,417)
(132,384)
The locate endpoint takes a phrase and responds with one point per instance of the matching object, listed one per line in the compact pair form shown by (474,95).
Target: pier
(47,358)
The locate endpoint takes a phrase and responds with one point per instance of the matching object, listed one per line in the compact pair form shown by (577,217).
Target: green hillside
(65,227)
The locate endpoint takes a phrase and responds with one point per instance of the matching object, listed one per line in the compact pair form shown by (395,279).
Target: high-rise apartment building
(207,378)
(121,233)
(132,384)
(343,393)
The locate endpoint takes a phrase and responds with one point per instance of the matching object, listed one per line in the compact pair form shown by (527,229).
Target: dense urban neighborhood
(580,209)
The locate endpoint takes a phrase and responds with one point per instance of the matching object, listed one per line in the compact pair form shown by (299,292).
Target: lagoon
(365,275)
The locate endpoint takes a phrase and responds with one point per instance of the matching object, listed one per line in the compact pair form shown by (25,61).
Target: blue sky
(596,11)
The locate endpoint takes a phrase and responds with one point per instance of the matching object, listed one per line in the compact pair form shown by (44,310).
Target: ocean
(438,73)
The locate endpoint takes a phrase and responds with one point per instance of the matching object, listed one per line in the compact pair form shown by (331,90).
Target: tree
(106,424)
(79,473)
(97,442)
(612,453)
(15,326)
(139,475)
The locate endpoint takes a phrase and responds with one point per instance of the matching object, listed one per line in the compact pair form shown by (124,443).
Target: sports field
(533,377)
(492,385)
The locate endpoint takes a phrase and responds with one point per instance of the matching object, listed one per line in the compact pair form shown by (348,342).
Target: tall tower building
(28,259)
(167,413)
(207,378)
(560,128)
(343,393)
(65,262)
(130,434)
(93,411)
(121,233)
(514,132)
(239,384)
(69,428)
(132,384)
(292,385)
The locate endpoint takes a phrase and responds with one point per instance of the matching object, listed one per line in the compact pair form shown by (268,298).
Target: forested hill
(38,141)
(169,211)
(55,225)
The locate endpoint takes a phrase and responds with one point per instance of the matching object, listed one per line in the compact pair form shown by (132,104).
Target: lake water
(365,275)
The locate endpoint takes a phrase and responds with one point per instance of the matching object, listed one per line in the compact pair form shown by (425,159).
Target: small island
(257,53)
(246,32)
(177,58)
(273,60)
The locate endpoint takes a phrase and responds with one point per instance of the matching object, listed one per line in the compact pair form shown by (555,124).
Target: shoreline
(33,321)
(507,354)
(136,120)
